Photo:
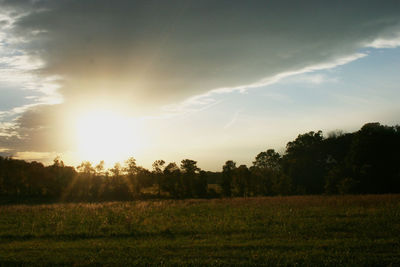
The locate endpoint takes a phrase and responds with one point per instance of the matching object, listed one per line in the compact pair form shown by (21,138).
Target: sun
(107,135)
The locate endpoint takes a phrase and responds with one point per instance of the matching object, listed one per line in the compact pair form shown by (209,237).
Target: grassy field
(306,230)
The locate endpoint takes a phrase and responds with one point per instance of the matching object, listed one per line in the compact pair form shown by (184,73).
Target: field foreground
(306,230)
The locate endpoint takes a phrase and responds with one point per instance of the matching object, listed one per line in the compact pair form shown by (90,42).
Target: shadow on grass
(167,234)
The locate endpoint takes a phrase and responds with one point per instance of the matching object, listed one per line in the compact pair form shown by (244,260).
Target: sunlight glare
(107,135)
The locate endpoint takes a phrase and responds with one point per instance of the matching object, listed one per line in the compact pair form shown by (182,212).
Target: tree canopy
(364,161)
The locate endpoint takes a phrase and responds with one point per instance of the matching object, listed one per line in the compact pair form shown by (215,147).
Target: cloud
(143,55)
(37,156)
(161,52)
(233,119)
(386,43)
(317,79)
(207,99)
(18,69)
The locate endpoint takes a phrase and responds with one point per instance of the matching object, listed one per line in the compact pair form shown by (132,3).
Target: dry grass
(305,230)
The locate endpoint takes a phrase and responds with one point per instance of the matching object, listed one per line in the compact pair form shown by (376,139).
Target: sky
(206,80)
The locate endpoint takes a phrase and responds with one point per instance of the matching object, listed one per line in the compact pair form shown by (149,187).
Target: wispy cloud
(32,155)
(233,119)
(386,42)
(196,102)
(316,79)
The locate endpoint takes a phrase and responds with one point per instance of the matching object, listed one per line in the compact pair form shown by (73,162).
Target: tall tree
(189,172)
(227,177)
(241,181)
(373,158)
(305,163)
(157,172)
(266,172)
(268,160)
(171,180)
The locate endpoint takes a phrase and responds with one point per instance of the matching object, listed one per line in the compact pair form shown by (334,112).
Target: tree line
(365,161)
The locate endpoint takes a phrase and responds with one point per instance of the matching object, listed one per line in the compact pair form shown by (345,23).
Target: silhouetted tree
(200,185)
(157,172)
(373,160)
(62,176)
(266,172)
(227,177)
(144,178)
(171,180)
(119,185)
(365,161)
(268,160)
(86,168)
(99,168)
(189,173)
(241,181)
(305,163)
(131,181)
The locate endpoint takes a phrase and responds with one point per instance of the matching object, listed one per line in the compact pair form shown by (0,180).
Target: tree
(81,186)
(266,172)
(99,168)
(200,185)
(241,181)
(373,159)
(189,172)
(130,166)
(120,188)
(86,168)
(157,172)
(131,170)
(305,163)
(57,162)
(268,160)
(62,176)
(143,179)
(171,180)
(227,176)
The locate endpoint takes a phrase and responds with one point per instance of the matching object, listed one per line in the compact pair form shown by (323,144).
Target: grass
(298,230)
